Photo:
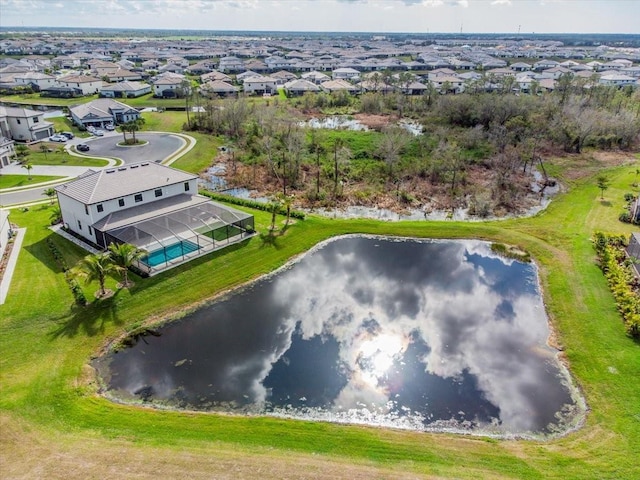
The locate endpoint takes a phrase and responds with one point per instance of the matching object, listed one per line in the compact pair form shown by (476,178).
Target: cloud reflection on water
(470,321)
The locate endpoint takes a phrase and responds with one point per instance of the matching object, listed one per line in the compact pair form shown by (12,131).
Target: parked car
(82,147)
(69,135)
(98,133)
(110,127)
(58,138)
(91,129)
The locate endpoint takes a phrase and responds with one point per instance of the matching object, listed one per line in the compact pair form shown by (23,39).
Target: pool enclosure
(177,236)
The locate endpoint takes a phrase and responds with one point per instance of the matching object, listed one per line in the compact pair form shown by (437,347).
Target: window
(90,231)
(100,208)
(186,186)
(36,119)
(86,209)
(158,192)
(79,225)
(121,202)
(18,120)
(138,197)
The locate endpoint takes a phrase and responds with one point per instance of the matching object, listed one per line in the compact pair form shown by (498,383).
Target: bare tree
(393,141)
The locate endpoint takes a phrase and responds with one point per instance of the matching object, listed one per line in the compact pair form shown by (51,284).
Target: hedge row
(622,281)
(244,202)
(77,292)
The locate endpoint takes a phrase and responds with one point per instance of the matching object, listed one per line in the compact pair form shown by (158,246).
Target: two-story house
(87,84)
(260,85)
(152,206)
(25,125)
(39,79)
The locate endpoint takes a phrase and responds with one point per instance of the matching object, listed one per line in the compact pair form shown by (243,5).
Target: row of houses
(24,125)
(117,70)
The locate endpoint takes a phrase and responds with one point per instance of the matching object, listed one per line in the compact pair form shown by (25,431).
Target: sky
(422,16)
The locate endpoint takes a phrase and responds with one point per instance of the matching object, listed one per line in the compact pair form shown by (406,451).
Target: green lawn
(36,99)
(62,158)
(14,181)
(50,410)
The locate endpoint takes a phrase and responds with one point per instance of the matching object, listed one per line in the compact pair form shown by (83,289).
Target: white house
(168,86)
(260,85)
(6,151)
(315,77)
(87,84)
(125,89)
(350,74)
(103,111)
(617,79)
(153,207)
(41,80)
(25,125)
(300,87)
(448,84)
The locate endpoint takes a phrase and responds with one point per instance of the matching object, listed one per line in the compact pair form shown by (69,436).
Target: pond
(400,333)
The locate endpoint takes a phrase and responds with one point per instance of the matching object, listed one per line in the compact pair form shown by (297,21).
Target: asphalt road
(160,146)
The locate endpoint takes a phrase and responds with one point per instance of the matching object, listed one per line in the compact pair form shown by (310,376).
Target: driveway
(159,146)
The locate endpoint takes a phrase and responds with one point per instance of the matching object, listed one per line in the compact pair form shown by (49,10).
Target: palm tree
(44,149)
(123,255)
(28,167)
(50,192)
(286,201)
(134,126)
(22,152)
(274,207)
(56,215)
(96,267)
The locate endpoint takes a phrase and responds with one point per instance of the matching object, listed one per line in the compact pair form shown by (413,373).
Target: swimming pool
(170,252)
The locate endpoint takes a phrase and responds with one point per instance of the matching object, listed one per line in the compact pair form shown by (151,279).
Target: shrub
(265,207)
(617,271)
(76,290)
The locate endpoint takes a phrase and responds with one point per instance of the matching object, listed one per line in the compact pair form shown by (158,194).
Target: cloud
(501,2)
(441,307)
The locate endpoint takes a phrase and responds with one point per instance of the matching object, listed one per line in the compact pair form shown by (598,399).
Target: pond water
(345,122)
(401,333)
(213,179)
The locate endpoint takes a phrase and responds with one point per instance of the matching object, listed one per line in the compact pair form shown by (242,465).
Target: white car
(98,133)
(110,127)
(58,138)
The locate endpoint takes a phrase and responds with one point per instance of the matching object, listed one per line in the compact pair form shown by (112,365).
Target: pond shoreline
(577,420)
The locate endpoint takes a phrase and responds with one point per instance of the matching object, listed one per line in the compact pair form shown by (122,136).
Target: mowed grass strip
(16,181)
(47,387)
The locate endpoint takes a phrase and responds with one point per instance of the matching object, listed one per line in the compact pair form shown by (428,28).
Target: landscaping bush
(76,290)
(265,207)
(621,279)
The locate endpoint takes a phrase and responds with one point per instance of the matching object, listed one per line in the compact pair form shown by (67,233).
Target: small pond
(400,333)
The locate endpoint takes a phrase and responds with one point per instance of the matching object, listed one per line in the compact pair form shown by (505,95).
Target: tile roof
(111,183)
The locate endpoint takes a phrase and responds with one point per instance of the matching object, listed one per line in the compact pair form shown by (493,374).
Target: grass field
(53,424)
(15,181)
(60,157)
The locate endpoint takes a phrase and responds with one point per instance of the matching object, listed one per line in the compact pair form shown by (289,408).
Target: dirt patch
(375,122)
(82,457)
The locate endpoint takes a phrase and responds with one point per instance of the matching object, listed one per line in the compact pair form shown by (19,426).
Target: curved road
(159,147)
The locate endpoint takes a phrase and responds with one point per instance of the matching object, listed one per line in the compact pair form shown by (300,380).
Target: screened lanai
(180,235)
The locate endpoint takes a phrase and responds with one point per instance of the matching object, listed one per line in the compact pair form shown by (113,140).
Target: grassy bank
(49,408)
(16,181)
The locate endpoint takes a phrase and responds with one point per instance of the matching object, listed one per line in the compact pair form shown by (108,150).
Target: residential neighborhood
(229,66)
